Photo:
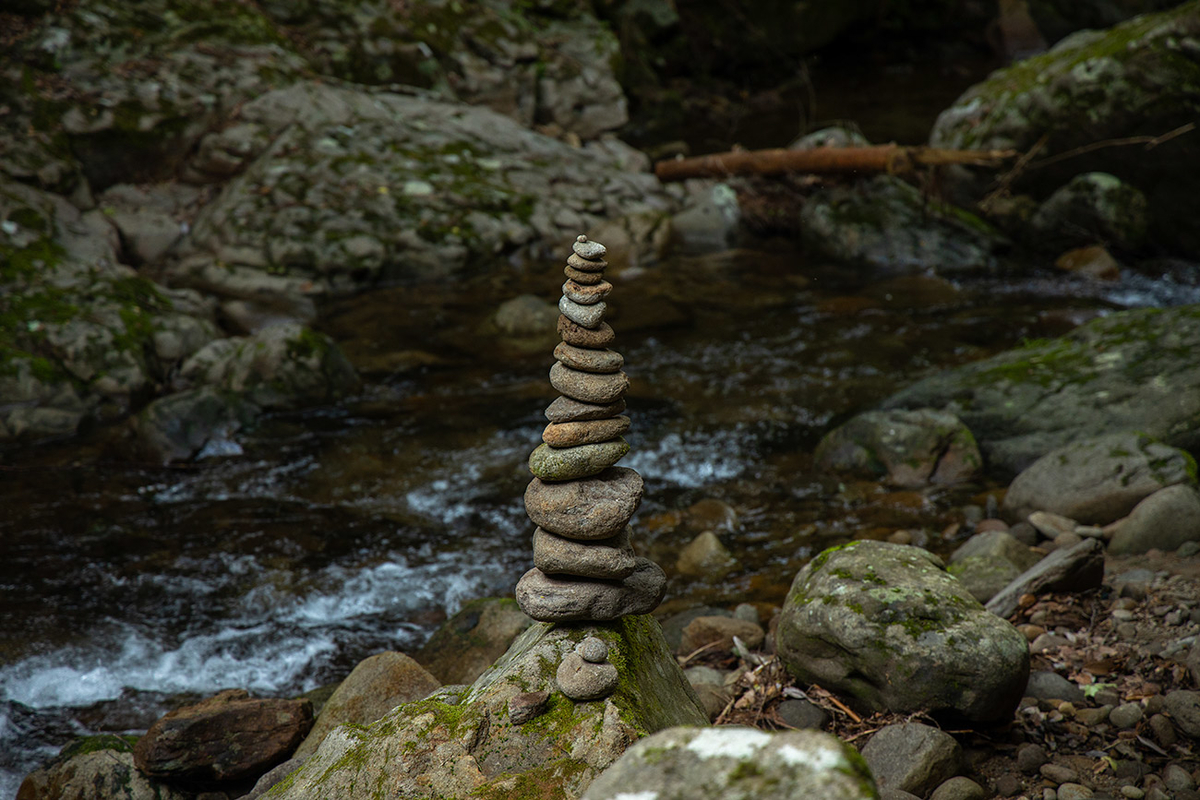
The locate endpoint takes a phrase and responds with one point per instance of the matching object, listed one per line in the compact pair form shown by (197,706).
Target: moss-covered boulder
(81,336)
(1129,371)
(1139,78)
(886,226)
(98,767)
(452,745)
(888,626)
(909,449)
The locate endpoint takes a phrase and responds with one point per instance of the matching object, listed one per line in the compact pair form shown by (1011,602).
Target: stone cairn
(585,569)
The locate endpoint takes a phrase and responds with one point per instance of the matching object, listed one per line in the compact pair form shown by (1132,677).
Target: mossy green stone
(569,463)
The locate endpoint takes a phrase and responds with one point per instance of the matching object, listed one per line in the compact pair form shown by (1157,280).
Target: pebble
(573,434)
(1074,791)
(1058,773)
(1048,685)
(592,251)
(611,559)
(588,387)
(564,409)
(959,788)
(1125,716)
(1178,779)
(1007,785)
(1184,708)
(797,713)
(583,681)
(590,508)
(588,359)
(569,463)
(1030,757)
(1093,716)
(719,632)
(587,316)
(1132,792)
(572,333)
(550,599)
(1163,730)
(593,650)
(586,294)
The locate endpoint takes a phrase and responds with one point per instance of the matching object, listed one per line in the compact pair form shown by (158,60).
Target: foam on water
(691,460)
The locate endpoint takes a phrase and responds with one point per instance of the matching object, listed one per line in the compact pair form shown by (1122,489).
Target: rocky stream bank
(1012,606)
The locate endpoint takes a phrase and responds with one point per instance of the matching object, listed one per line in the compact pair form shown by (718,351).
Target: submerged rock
(887,625)
(736,763)
(1129,371)
(476,748)
(1090,208)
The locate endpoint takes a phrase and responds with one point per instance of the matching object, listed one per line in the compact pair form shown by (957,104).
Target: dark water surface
(343,531)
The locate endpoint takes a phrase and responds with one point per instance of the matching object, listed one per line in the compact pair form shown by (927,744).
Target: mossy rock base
(471,748)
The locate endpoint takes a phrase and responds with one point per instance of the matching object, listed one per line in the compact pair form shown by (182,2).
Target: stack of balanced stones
(584,565)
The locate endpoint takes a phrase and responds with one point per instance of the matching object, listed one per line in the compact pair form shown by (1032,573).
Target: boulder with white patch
(736,763)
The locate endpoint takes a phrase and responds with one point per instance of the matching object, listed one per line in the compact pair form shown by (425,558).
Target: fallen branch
(892,159)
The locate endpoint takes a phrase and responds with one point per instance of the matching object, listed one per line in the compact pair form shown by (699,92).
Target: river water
(320,538)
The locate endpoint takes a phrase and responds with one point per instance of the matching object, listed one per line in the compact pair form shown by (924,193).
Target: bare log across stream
(886,158)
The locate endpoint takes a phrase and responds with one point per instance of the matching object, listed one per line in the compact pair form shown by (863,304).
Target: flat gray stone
(587,316)
(573,434)
(588,387)
(589,359)
(592,251)
(569,463)
(585,265)
(549,599)
(609,559)
(566,409)
(591,508)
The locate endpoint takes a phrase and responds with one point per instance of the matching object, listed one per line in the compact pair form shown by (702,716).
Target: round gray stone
(549,599)
(593,650)
(1048,685)
(588,387)
(611,559)
(570,463)
(590,508)
(582,680)
(1184,708)
(912,757)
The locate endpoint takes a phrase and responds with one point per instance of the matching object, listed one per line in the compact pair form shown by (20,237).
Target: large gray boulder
(887,625)
(1135,79)
(95,767)
(1129,371)
(736,763)
(360,186)
(503,736)
(989,561)
(1098,480)
(887,226)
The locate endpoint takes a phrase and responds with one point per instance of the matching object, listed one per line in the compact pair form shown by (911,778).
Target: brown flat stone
(590,508)
(584,294)
(589,359)
(588,387)
(610,559)
(550,599)
(564,409)
(572,434)
(575,261)
(579,276)
(580,336)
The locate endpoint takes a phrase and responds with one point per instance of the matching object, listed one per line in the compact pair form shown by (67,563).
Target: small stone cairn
(585,569)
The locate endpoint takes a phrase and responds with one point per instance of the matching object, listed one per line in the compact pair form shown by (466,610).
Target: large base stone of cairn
(512,733)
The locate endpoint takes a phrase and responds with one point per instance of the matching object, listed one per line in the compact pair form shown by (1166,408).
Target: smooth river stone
(585,264)
(592,508)
(573,434)
(585,337)
(570,463)
(564,409)
(611,559)
(586,295)
(549,599)
(588,387)
(587,278)
(592,251)
(589,359)
(587,316)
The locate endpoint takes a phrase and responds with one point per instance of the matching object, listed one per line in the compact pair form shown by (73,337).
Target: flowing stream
(320,538)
